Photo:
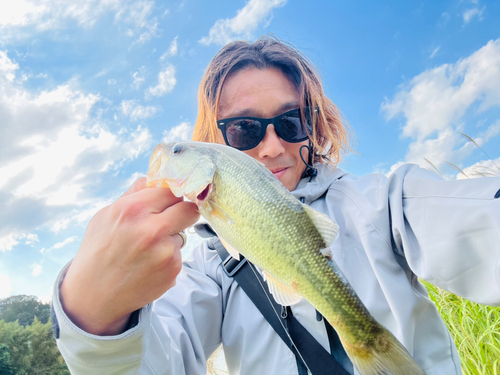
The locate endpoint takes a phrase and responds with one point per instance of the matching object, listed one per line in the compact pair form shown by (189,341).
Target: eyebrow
(251,112)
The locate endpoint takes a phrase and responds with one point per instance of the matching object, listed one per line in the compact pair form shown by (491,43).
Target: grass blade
(433,166)
(457,168)
(473,141)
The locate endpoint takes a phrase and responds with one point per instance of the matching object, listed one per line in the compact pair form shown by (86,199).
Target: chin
(289,185)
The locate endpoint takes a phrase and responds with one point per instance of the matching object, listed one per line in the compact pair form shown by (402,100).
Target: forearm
(171,338)
(86,353)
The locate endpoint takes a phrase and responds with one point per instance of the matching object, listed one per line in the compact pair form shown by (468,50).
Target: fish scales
(283,253)
(255,215)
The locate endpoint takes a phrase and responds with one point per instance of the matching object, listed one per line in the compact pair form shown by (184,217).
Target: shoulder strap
(303,344)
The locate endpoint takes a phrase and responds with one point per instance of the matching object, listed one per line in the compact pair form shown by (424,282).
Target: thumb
(138,185)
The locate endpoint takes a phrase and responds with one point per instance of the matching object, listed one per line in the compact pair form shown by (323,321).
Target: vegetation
(27,345)
(24,309)
(475,329)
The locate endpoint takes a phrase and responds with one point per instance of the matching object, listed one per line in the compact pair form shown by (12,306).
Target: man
(391,231)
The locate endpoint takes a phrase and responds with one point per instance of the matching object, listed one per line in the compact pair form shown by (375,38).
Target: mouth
(279,172)
(202,196)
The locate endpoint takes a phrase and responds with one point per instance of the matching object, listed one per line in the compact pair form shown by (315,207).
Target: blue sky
(88,87)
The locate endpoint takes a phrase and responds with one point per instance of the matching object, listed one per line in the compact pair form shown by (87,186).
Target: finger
(153,200)
(176,218)
(138,185)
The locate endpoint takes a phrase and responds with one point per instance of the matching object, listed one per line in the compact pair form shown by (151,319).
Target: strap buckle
(232,265)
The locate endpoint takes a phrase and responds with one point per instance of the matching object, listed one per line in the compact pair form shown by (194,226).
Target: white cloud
(7,67)
(434,52)
(435,102)
(136,111)
(5,287)
(53,156)
(166,82)
(243,24)
(180,132)
(101,73)
(483,168)
(31,239)
(65,242)
(138,13)
(380,168)
(53,14)
(469,14)
(79,217)
(43,15)
(112,81)
(172,51)
(7,242)
(139,77)
(20,13)
(37,270)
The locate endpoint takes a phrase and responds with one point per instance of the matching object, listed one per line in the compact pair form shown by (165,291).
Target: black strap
(318,360)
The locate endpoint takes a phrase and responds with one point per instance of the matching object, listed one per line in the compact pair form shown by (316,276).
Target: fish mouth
(200,195)
(204,194)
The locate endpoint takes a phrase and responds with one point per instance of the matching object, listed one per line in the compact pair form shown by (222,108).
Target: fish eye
(177,149)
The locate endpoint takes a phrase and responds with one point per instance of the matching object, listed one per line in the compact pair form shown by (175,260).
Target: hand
(130,255)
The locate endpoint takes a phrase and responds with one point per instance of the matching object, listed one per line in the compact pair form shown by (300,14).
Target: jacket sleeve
(171,335)
(448,231)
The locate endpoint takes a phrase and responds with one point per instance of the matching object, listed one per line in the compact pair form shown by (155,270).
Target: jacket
(393,230)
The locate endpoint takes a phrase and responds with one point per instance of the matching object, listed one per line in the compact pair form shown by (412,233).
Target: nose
(272,145)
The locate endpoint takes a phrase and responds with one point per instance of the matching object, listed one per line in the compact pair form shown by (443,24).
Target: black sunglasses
(245,133)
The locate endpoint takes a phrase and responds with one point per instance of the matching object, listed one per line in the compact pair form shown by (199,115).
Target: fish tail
(387,357)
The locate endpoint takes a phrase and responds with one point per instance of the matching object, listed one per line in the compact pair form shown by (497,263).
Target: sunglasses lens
(291,129)
(243,134)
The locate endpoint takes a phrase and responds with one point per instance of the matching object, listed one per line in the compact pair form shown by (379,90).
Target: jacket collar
(311,191)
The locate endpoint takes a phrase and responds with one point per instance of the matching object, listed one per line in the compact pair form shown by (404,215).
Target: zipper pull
(319,317)
(284,316)
(284,312)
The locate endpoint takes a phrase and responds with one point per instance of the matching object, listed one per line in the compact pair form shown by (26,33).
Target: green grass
(475,329)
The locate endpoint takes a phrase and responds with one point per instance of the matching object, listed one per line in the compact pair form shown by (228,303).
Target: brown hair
(331,133)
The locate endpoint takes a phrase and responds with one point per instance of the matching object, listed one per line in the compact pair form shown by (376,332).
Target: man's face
(266,93)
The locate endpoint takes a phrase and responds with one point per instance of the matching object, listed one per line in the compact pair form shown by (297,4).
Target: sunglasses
(245,133)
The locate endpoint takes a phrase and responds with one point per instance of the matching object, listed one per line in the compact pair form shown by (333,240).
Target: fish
(254,215)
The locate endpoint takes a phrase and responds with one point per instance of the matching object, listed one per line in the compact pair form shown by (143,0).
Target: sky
(89,87)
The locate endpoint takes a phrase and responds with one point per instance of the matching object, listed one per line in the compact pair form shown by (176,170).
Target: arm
(448,231)
(174,335)
(129,257)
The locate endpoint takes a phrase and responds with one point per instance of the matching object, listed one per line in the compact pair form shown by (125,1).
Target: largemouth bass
(256,216)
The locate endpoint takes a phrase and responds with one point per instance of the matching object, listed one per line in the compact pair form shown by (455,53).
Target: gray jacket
(392,231)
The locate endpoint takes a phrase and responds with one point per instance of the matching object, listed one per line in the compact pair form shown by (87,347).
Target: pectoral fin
(326,226)
(231,250)
(282,294)
(219,212)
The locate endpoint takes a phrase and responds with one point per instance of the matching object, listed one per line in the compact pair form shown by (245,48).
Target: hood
(311,191)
